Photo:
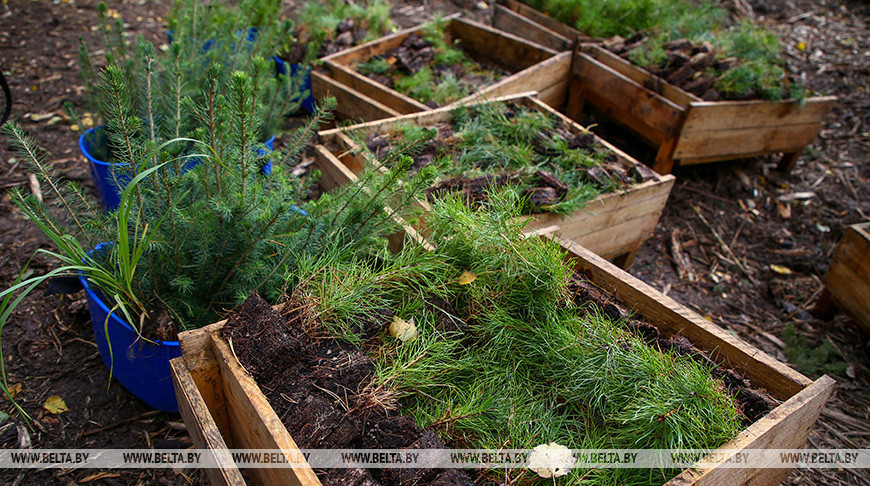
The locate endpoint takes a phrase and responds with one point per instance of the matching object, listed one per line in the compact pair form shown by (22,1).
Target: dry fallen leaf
(55,404)
(403,330)
(551,460)
(781,269)
(14,389)
(467,277)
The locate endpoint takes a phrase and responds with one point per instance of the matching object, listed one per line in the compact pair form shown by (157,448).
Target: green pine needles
(511,143)
(450,76)
(509,360)
(759,73)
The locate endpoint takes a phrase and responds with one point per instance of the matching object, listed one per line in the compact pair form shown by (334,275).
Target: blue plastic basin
(110,182)
(141,366)
(281,68)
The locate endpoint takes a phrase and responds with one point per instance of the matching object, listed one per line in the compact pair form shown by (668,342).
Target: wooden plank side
(545,20)
(502,48)
(627,101)
(609,209)
(780,381)
(744,142)
(638,74)
(786,427)
(335,174)
(706,116)
(255,424)
(556,95)
(437,115)
(507,20)
(376,91)
(351,104)
(203,430)
(538,77)
(848,277)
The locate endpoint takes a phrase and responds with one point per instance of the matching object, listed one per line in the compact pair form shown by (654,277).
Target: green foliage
(810,359)
(321,18)
(499,139)
(444,81)
(163,85)
(759,72)
(519,364)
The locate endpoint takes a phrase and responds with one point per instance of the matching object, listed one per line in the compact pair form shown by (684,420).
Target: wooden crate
(686,129)
(847,281)
(613,225)
(223,408)
(534,68)
(524,21)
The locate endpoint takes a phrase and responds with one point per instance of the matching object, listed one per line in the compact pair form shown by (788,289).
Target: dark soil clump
(318,388)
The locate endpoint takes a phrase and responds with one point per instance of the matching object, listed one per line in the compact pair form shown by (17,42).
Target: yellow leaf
(55,404)
(781,270)
(467,277)
(403,330)
(14,389)
(551,460)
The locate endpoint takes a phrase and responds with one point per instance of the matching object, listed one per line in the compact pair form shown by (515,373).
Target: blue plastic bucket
(141,366)
(94,147)
(281,68)
(110,182)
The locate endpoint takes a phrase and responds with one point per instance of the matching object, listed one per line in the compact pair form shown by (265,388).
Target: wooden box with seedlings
(437,64)
(688,80)
(598,195)
(489,341)
(847,281)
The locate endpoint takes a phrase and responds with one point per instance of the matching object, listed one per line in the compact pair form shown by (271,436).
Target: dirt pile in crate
(324,393)
(753,403)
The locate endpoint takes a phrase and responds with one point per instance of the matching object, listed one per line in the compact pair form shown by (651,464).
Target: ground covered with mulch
(731,221)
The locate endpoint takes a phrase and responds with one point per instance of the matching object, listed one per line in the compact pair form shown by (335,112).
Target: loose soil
(302,376)
(764,217)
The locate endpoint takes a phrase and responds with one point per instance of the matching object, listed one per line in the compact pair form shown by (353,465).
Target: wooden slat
(780,381)
(613,223)
(546,21)
(383,95)
(630,103)
(638,74)
(203,430)
(502,48)
(848,277)
(786,427)
(336,174)
(743,142)
(539,77)
(351,104)
(704,116)
(507,20)
(437,115)
(556,95)
(253,421)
